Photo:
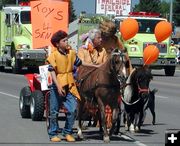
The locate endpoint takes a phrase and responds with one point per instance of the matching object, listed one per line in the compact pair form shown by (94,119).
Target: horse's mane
(141,72)
(131,90)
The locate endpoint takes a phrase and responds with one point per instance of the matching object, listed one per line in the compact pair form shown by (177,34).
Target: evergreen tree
(148,6)
(176,12)
(165,9)
(12,1)
(72,15)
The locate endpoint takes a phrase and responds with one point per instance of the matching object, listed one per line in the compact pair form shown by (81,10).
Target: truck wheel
(16,68)
(2,68)
(169,70)
(37,105)
(24,104)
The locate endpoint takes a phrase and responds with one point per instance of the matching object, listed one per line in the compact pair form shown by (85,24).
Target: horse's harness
(140,90)
(120,78)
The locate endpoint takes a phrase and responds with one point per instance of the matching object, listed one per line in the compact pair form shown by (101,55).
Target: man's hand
(61,91)
(97,65)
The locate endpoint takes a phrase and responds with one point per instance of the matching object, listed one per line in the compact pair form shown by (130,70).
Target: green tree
(148,6)
(12,1)
(165,9)
(176,12)
(72,15)
(8,2)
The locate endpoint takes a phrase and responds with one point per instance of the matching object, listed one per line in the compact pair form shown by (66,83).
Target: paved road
(17,131)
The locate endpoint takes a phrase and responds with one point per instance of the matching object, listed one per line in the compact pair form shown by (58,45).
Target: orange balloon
(129,28)
(162,30)
(150,54)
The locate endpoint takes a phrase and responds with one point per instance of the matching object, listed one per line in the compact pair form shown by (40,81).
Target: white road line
(135,142)
(139,143)
(166,83)
(9,95)
(164,97)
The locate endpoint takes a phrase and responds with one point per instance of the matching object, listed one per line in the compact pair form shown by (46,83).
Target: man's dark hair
(57,36)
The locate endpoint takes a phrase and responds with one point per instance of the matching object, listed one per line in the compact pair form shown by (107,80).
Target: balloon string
(151,55)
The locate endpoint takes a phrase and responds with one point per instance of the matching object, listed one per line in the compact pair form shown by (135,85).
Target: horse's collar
(125,85)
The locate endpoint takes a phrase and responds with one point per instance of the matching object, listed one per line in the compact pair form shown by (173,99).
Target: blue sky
(88,5)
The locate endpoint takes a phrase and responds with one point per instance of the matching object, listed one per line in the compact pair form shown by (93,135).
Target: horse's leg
(99,120)
(89,121)
(152,109)
(114,120)
(136,121)
(131,121)
(144,117)
(141,114)
(103,120)
(79,127)
(118,124)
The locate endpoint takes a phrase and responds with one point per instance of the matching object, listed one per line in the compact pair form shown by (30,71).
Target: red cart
(33,101)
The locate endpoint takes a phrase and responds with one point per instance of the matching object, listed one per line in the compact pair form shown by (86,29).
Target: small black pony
(99,87)
(136,97)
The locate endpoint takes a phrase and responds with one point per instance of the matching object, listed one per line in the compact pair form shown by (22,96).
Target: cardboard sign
(45,75)
(47,17)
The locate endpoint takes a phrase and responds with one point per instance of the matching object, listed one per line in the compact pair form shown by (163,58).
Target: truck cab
(145,37)
(16,40)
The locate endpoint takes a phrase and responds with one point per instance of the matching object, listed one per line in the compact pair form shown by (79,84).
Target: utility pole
(171,20)
(17,2)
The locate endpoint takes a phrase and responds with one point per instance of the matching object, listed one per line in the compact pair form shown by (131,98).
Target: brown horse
(100,87)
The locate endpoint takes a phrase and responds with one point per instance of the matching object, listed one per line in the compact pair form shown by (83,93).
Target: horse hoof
(116,132)
(131,128)
(80,135)
(153,123)
(137,129)
(106,139)
(126,127)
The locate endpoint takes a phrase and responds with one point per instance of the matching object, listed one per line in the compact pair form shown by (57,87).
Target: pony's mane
(141,72)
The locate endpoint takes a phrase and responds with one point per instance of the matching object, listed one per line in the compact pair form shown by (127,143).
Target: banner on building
(115,7)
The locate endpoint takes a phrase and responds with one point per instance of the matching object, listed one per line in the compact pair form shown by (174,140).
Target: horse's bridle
(141,90)
(120,78)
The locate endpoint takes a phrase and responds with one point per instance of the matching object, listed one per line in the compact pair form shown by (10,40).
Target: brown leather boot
(55,139)
(70,138)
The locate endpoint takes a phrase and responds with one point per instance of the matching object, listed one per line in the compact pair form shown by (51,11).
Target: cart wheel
(47,109)
(24,104)
(37,105)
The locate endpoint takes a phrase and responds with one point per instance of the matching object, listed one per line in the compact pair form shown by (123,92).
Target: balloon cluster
(163,30)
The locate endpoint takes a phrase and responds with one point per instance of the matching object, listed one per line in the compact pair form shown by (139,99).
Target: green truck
(145,37)
(136,45)
(16,49)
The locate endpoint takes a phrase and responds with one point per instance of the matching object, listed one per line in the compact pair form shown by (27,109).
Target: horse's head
(118,68)
(141,80)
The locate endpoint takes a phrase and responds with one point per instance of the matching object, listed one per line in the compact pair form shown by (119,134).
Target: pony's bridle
(142,90)
(120,78)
